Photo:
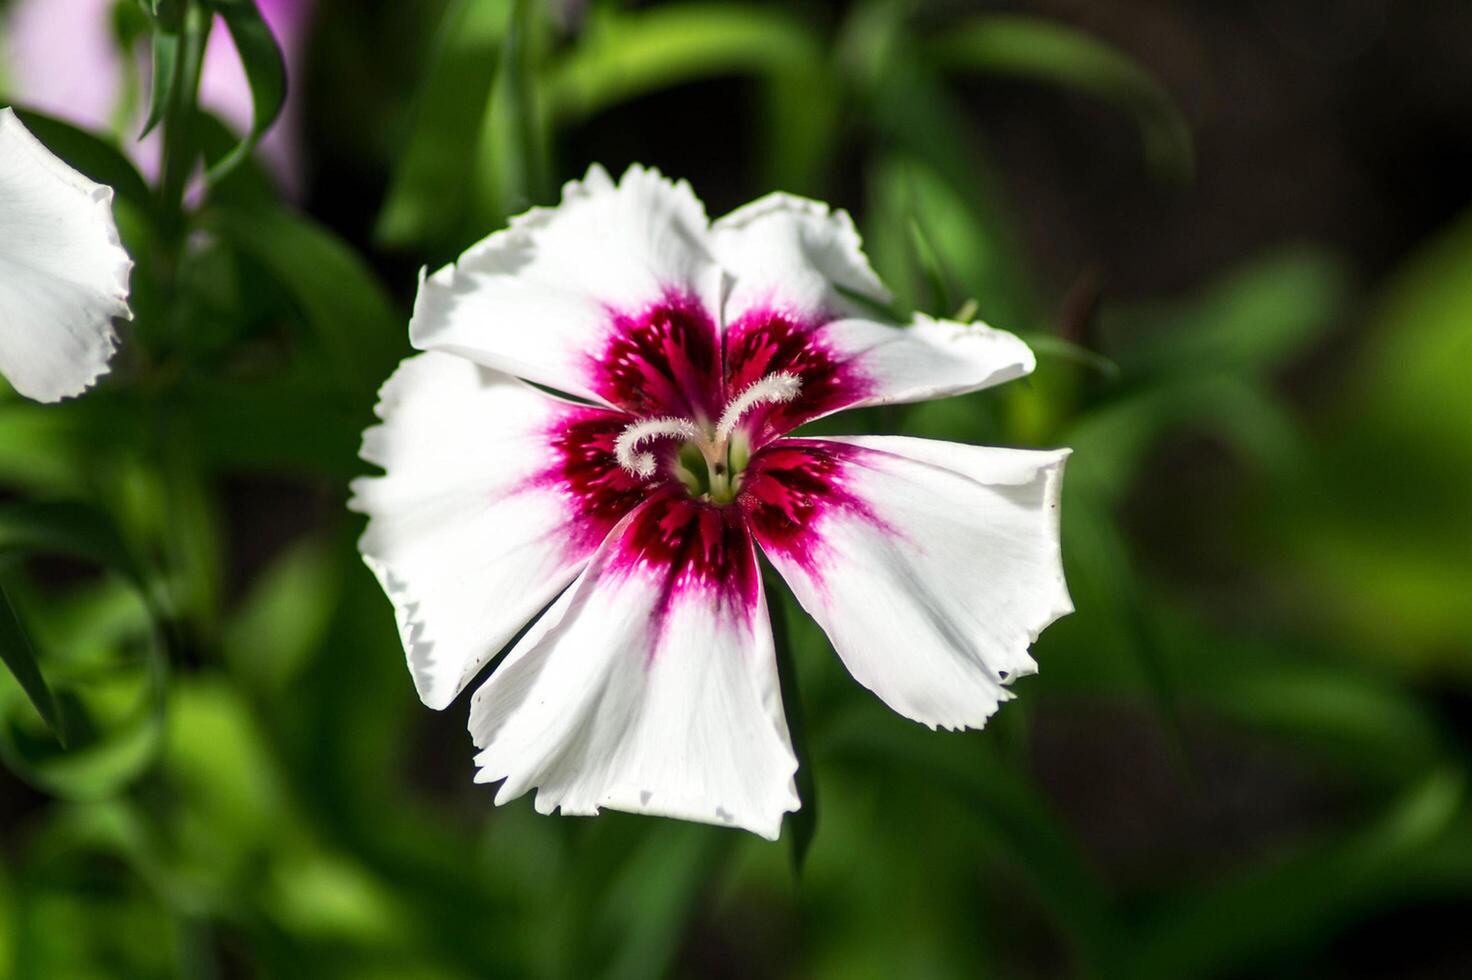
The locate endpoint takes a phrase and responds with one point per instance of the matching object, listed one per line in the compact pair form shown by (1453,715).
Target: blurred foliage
(229,773)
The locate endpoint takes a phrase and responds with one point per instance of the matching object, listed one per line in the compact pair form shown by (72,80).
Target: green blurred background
(1238,236)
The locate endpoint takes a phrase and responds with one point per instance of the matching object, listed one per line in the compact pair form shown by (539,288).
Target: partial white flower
(650,683)
(63,271)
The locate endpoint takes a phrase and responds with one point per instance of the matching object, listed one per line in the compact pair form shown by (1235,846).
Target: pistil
(725,449)
(643,464)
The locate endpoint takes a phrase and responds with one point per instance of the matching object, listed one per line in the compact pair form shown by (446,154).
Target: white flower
(650,684)
(63,272)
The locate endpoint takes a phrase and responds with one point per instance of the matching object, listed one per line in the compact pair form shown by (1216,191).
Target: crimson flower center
(725,448)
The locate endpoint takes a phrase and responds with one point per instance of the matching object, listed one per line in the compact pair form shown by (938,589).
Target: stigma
(723,466)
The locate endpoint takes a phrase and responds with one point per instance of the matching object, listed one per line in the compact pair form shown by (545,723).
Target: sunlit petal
(651,686)
(495,496)
(931,566)
(804,299)
(606,296)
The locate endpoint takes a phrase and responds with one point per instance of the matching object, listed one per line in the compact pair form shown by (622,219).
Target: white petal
(932,566)
(63,271)
(542,300)
(797,262)
(475,527)
(651,686)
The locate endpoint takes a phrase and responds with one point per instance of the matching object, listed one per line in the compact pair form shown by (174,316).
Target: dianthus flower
(628,509)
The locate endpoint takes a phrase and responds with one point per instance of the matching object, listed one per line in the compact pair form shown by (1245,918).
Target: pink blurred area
(62,58)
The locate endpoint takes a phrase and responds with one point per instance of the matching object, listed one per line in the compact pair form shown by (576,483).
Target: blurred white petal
(63,271)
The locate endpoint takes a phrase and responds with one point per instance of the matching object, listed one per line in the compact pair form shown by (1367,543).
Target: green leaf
(627,55)
(428,196)
(1112,441)
(341,301)
(652,898)
(168,13)
(106,672)
(1102,574)
(1253,320)
(1360,720)
(165,48)
(1049,345)
(247,184)
(17,654)
(1377,532)
(933,171)
(1016,822)
(54,448)
(265,70)
(521,72)
(803,115)
(1028,47)
(285,617)
(94,156)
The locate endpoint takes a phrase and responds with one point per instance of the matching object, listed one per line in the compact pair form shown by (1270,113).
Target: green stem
(801,826)
(179,149)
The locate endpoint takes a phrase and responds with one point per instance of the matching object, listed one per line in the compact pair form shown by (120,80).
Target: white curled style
(636,434)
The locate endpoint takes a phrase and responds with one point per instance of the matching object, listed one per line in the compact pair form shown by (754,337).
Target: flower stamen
(774,389)
(643,464)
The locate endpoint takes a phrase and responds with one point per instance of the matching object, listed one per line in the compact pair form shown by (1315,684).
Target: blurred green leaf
(428,197)
(1101,572)
(113,739)
(340,299)
(1019,825)
(94,156)
(108,682)
(1363,721)
(58,449)
(804,116)
(1374,531)
(521,71)
(265,71)
(1254,320)
(1048,345)
(165,54)
(246,185)
(232,803)
(168,13)
(285,617)
(623,55)
(323,896)
(1031,47)
(1112,441)
(110,715)
(934,176)
(18,655)
(653,896)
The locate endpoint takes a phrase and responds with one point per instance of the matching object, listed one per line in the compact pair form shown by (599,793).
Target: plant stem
(179,149)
